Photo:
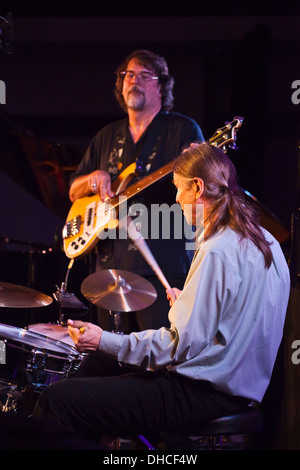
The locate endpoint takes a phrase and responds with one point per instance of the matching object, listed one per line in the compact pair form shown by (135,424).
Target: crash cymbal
(118,290)
(13,295)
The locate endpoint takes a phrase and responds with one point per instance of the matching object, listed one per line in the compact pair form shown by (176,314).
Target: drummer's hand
(172,295)
(86,336)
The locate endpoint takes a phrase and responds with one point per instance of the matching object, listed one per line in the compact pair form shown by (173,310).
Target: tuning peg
(233,146)
(239,118)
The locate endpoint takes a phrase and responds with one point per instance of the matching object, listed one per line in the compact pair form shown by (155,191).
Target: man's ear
(198,187)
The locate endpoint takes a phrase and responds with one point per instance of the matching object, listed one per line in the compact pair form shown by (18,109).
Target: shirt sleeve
(210,289)
(148,349)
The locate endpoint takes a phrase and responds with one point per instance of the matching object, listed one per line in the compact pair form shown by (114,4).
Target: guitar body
(124,179)
(89,218)
(85,223)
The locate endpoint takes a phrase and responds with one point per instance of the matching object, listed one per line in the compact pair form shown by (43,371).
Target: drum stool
(248,421)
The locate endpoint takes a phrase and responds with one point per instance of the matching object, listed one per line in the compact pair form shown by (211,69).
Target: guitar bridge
(72,227)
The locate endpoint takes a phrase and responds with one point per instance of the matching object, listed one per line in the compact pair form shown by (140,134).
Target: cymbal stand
(119,282)
(70,306)
(117,321)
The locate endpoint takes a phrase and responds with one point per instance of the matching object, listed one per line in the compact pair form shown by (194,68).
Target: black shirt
(112,150)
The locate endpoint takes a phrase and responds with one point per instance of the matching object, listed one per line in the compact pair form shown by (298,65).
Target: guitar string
(113,202)
(213,140)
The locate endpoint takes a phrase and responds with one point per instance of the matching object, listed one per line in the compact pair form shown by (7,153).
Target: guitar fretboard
(223,136)
(143,184)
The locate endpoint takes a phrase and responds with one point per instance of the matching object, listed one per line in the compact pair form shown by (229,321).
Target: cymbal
(14,295)
(118,290)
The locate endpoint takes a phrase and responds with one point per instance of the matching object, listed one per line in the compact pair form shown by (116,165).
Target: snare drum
(53,331)
(35,359)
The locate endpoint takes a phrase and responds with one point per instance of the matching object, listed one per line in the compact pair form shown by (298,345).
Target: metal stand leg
(69,305)
(117,321)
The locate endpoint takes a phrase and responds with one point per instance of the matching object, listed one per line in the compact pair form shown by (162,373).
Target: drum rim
(59,347)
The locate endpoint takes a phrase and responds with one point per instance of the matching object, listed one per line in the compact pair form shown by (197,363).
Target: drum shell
(38,361)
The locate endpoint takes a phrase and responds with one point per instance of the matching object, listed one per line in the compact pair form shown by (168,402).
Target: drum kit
(34,357)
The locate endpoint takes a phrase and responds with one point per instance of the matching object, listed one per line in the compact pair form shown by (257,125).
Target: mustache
(135,88)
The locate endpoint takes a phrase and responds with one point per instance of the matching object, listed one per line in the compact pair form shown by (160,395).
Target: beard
(135,99)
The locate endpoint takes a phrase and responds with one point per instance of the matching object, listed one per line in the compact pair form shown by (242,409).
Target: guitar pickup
(89,217)
(72,227)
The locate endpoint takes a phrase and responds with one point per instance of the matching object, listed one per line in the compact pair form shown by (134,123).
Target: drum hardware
(34,247)
(39,366)
(35,366)
(32,362)
(117,320)
(118,291)
(69,305)
(9,396)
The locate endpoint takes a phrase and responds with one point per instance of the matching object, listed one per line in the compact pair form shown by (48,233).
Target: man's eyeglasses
(143,76)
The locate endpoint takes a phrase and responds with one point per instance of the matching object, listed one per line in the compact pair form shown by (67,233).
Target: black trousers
(107,399)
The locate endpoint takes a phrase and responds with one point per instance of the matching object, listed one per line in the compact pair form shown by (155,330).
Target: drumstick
(143,248)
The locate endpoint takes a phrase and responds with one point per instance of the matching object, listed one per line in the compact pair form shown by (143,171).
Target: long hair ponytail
(227,204)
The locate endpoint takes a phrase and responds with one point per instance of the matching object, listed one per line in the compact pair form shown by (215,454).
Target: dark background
(228,59)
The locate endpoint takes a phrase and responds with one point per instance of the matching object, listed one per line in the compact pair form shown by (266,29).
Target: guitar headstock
(226,136)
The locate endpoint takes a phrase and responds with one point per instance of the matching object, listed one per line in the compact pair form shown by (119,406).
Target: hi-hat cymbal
(118,290)
(13,295)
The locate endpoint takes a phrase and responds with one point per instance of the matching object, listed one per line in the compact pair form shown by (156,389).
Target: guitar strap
(149,150)
(143,158)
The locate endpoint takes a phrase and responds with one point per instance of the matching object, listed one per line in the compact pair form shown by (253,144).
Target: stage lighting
(6,33)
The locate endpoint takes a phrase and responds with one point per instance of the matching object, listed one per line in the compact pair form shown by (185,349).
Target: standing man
(151,135)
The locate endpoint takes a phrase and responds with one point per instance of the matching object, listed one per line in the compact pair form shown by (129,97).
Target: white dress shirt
(227,323)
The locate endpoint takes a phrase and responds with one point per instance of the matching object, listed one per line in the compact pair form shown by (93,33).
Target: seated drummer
(225,325)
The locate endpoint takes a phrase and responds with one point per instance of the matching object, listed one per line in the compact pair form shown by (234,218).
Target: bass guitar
(89,217)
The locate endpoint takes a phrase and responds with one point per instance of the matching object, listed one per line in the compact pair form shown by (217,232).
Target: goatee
(135,99)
